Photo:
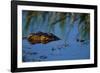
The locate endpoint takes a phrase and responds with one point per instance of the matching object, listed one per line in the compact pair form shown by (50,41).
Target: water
(56,50)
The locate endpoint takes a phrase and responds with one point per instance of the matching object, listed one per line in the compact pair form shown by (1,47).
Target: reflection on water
(69,47)
(56,50)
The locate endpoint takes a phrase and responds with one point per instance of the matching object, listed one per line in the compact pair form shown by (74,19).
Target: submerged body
(40,37)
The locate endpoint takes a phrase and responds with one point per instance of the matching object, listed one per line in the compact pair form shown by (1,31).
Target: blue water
(56,50)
